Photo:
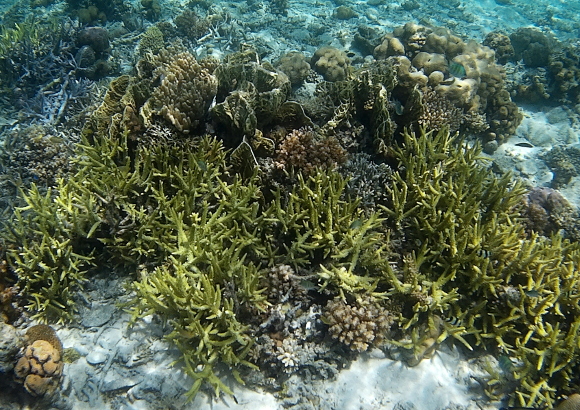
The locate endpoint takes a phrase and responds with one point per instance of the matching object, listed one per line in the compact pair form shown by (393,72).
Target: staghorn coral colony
(283,218)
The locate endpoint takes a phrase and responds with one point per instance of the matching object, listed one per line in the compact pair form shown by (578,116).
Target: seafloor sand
(125,368)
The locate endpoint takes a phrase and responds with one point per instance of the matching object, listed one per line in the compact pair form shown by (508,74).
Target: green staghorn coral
(471,272)
(316,224)
(445,256)
(50,263)
(197,235)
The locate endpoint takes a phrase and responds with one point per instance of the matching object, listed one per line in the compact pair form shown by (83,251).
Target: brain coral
(40,367)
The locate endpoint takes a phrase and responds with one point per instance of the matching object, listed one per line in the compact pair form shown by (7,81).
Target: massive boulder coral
(532,46)
(332,63)
(40,367)
(295,66)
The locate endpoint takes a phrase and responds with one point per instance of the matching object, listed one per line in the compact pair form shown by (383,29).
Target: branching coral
(438,113)
(205,328)
(50,265)
(316,225)
(358,325)
(304,151)
(460,226)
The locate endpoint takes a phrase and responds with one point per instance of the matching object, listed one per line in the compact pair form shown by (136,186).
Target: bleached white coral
(287,354)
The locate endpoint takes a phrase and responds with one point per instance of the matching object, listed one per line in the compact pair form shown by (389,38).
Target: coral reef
(550,69)
(152,9)
(279,7)
(10,342)
(367,180)
(33,54)
(10,311)
(48,268)
(464,73)
(92,11)
(151,42)
(344,13)
(407,242)
(439,112)
(92,55)
(361,101)
(251,96)
(571,403)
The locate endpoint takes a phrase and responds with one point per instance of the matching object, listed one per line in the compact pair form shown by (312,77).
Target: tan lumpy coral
(294,65)
(429,62)
(407,75)
(463,72)
(332,63)
(443,41)
(40,367)
(501,44)
(357,325)
(185,94)
(390,46)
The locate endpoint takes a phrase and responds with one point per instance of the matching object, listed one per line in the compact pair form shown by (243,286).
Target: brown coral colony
(40,367)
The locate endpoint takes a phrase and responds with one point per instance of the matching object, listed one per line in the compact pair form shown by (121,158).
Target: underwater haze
(273,204)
